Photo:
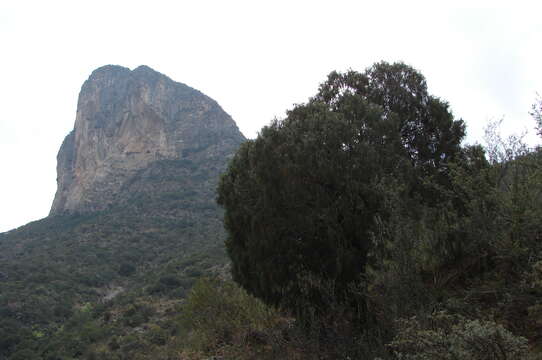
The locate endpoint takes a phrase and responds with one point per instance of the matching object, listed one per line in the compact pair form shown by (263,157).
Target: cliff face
(126,121)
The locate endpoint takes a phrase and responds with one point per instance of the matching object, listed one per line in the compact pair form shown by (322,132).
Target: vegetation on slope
(59,276)
(359,233)
(362,215)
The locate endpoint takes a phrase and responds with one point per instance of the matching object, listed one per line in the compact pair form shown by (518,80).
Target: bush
(24,354)
(137,314)
(220,315)
(126,269)
(157,336)
(448,337)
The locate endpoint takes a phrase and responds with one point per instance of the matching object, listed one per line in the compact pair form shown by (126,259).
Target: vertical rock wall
(125,121)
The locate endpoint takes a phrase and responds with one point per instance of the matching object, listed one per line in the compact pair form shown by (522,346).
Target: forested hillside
(64,275)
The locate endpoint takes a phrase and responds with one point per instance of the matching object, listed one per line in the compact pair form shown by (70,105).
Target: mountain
(127,120)
(133,223)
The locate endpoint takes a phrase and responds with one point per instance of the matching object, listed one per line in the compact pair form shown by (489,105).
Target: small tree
(537,114)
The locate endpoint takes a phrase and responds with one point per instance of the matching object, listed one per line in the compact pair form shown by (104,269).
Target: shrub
(126,269)
(219,315)
(447,337)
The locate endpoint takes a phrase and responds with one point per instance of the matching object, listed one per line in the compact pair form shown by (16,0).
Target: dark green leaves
(302,199)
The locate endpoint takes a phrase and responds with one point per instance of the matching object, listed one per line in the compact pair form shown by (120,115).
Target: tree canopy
(302,200)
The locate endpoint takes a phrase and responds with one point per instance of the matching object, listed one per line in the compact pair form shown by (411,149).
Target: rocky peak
(128,119)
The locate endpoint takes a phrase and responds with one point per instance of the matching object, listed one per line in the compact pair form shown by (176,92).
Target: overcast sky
(255,58)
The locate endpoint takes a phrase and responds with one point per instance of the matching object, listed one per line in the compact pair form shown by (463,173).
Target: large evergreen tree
(302,199)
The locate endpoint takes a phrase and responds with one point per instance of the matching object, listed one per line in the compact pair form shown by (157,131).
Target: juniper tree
(301,200)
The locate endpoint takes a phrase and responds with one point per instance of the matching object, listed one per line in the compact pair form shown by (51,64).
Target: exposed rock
(127,120)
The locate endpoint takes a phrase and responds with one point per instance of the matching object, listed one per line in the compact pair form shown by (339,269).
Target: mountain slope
(134,216)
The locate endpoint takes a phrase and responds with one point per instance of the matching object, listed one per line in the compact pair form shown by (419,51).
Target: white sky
(255,58)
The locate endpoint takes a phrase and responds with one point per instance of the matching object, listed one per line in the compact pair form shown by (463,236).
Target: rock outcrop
(126,121)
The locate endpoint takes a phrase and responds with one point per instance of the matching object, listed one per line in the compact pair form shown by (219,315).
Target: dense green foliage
(428,131)
(453,337)
(147,250)
(303,200)
(362,213)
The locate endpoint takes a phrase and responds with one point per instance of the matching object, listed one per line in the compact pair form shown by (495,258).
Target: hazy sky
(255,58)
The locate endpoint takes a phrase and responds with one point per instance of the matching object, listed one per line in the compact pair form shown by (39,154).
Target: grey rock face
(126,120)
